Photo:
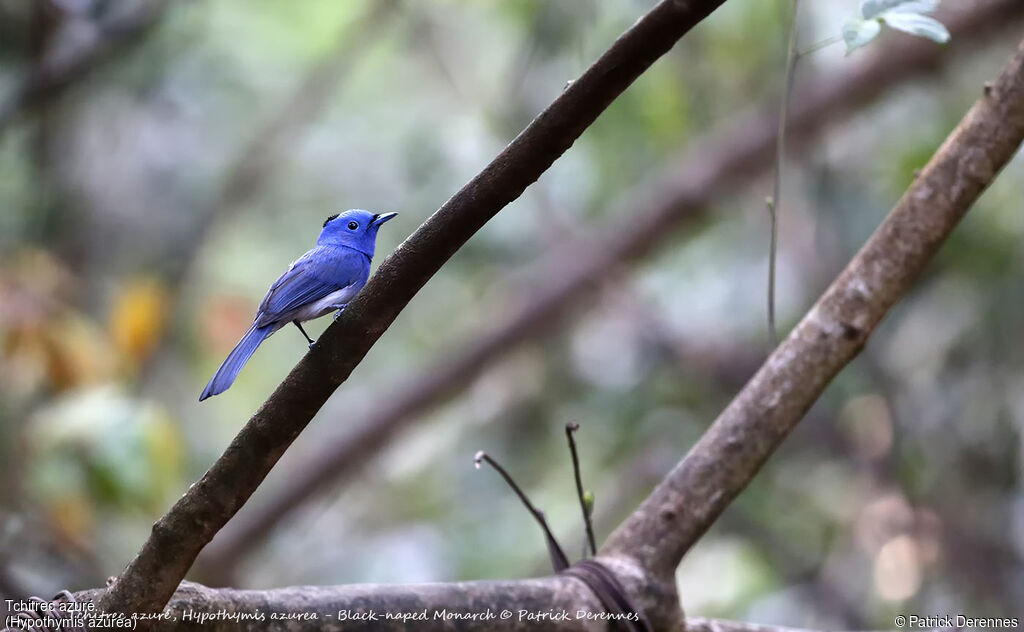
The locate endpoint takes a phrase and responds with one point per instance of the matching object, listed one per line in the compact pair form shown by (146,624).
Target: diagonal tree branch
(728,456)
(678,196)
(151,578)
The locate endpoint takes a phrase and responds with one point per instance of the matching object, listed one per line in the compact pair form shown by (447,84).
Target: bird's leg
(338,313)
(310,340)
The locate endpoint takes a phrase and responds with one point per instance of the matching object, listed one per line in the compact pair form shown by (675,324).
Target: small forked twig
(585,507)
(558,559)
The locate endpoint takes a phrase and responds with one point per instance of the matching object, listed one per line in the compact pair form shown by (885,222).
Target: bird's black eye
(329,219)
(353,225)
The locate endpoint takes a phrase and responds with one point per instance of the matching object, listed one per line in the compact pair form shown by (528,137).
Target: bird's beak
(380,219)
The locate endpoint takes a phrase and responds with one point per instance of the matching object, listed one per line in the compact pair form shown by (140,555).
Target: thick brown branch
(728,456)
(455,606)
(680,196)
(151,578)
(547,604)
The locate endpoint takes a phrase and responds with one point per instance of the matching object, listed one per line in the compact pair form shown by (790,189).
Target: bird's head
(354,228)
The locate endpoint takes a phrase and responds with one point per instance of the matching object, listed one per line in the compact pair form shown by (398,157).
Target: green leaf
(857,33)
(871,9)
(917,24)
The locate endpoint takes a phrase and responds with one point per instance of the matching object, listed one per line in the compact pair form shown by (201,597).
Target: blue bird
(323,280)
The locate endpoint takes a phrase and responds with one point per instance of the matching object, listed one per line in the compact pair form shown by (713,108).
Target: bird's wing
(314,275)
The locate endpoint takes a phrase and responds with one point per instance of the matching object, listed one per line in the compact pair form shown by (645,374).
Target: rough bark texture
(176,539)
(558,603)
(492,605)
(680,195)
(728,456)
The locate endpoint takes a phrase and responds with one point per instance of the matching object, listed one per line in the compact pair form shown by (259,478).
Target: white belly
(334,300)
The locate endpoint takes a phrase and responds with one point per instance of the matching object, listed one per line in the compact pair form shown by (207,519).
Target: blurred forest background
(147,204)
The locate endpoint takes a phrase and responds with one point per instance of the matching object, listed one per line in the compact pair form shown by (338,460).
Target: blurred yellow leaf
(137,319)
(77,352)
(45,343)
(72,518)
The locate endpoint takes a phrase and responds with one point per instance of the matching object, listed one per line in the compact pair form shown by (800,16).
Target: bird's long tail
(228,371)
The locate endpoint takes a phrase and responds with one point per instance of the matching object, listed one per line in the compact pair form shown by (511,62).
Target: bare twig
(570,429)
(558,559)
(825,43)
(678,196)
(151,578)
(721,464)
(773,242)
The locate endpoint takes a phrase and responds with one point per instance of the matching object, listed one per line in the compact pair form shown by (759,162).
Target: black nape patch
(330,218)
